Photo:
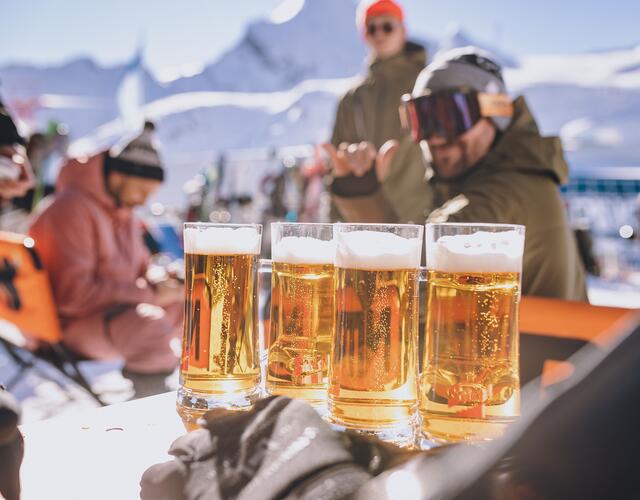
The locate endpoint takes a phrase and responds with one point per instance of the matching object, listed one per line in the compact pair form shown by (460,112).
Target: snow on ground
(44,393)
(614,68)
(614,295)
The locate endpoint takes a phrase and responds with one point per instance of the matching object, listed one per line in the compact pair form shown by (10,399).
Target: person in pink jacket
(92,246)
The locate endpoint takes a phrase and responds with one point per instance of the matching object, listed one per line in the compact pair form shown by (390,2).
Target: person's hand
(169,292)
(10,188)
(358,158)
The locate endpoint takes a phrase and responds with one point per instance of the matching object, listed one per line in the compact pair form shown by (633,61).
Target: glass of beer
(469,385)
(302,310)
(373,371)
(220,351)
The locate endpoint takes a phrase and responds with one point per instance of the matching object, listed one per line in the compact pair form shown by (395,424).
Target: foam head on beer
(480,252)
(211,240)
(372,250)
(304,250)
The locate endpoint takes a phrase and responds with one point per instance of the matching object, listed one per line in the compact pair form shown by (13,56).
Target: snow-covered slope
(280,84)
(591,100)
(319,42)
(79,93)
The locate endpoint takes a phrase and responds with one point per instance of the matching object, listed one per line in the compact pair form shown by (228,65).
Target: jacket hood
(521,147)
(87,177)
(413,58)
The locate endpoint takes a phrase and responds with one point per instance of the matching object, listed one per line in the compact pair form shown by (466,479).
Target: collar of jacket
(522,148)
(412,57)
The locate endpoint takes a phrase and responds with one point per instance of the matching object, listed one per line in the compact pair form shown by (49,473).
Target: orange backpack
(26,299)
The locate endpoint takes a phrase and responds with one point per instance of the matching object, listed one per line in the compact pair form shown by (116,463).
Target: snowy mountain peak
(285,10)
(456,37)
(301,40)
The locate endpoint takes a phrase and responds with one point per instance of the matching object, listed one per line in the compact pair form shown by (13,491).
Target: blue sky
(188,33)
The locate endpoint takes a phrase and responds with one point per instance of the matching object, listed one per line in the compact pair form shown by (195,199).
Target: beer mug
(373,371)
(220,350)
(302,310)
(469,385)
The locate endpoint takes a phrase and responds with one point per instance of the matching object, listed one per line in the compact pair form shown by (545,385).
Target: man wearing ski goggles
(492,165)
(487,162)
(458,125)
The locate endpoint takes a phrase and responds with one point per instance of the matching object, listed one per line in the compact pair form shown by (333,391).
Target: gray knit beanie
(138,157)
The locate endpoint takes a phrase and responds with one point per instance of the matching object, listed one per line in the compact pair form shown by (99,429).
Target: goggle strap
(495,104)
(409,118)
(404,115)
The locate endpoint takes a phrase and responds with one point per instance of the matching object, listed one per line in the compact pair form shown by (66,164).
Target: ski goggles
(450,113)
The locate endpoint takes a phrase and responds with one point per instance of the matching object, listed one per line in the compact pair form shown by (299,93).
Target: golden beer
(220,354)
(373,373)
(302,325)
(373,376)
(470,386)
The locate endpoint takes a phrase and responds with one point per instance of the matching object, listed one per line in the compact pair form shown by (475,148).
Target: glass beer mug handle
(424,274)
(265,266)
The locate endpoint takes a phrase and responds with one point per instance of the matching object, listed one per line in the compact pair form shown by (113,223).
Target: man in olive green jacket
(367,118)
(491,165)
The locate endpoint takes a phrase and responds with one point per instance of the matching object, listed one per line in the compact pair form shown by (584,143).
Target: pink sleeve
(64,239)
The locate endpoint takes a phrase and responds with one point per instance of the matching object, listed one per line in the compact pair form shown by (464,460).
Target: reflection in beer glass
(469,387)
(302,310)
(220,359)
(373,379)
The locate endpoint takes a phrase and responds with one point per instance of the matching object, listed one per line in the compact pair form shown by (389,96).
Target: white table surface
(99,454)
